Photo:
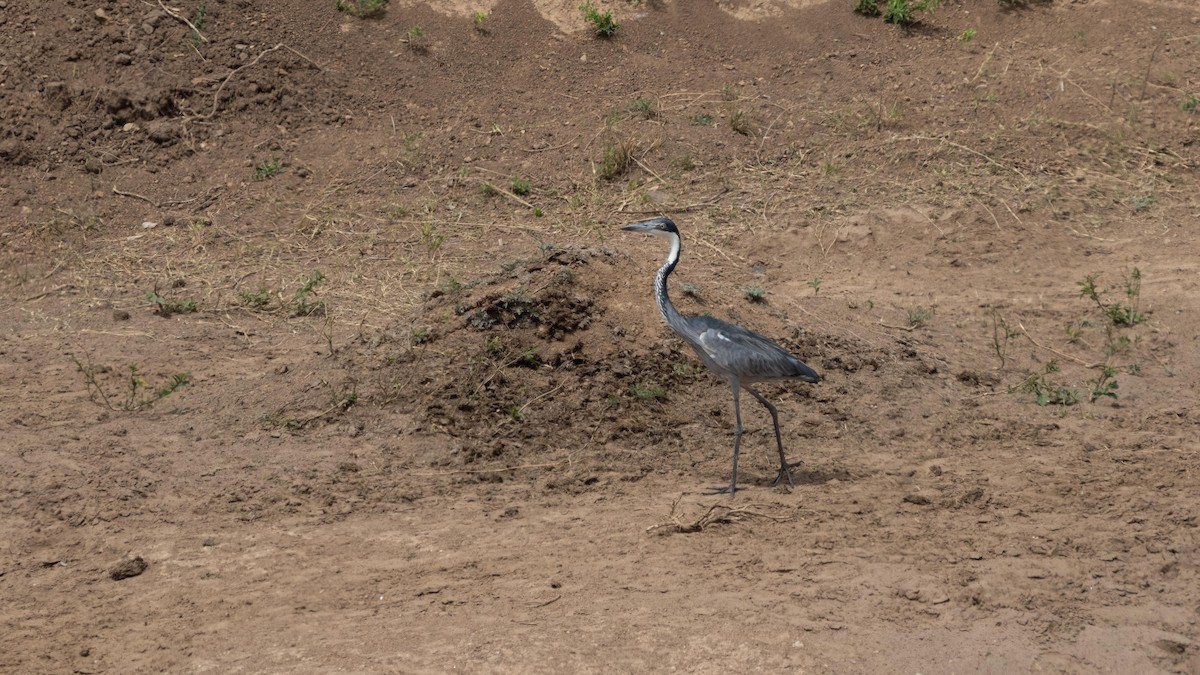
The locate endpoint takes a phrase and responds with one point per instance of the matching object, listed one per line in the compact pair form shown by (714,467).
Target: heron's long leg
(784,467)
(737,440)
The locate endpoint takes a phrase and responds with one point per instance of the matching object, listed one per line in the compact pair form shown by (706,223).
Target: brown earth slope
(323,349)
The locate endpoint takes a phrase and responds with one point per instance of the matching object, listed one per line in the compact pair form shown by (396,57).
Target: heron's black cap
(661,224)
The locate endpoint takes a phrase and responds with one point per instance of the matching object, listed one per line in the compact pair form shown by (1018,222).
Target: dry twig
(717,513)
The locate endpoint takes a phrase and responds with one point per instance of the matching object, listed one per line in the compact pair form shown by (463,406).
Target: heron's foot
(727,490)
(785,471)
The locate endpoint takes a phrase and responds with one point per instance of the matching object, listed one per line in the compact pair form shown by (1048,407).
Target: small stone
(120,315)
(123,59)
(128,568)
(100,14)
(149,225)
(919,500)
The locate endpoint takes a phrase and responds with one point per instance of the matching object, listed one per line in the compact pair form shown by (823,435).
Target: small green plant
(645,108)
(361,8)
(1002,335)
(197,24)
(603,24)
(918,316)
(521,186)
(900,12)
(259,300)
(701,119)
(538,212)
(520,303)
(510,265)
(487,190)
(478,20)
(267,168)
(302,305)
(684,163)
(1046,391)
(755,294)
(451,285)
(1104,386)
(647,391)
(617,159)
(692,291)
(1142,203)
(421,335)
(416,39)
(730,93)
(682,369)
(1120,314)
(967,35)
(739,121)
(815,284)
(431,237)
(1190,102)
(531,357)
(345,401)
(481,320)
(138,393)
(1075,330)
(165,308)
(867,7)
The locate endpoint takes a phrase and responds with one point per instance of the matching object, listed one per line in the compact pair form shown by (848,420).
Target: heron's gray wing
(746,354)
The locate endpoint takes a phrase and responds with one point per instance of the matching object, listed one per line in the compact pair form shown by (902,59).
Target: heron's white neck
(670,314)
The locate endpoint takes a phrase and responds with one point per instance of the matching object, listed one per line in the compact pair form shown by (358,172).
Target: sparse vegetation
(302,305)
(967,35)
(138,394)
(1142,203)
(361,8)
(165,308)
(198,23)
(691,290)
(1002,335)
(481,320)
(918,316)
(617,159)
(755,294)
(416,39)
(701,119)
(739,121)
(815,284)
(603,24)
(644,107)
(1119,313)
(1190,102)
(901,12)
(521,186)
(647,391)
(867,7)
(258,300)
(421,335)
(267,168)
(1047,391)
(479,20)
(432,239)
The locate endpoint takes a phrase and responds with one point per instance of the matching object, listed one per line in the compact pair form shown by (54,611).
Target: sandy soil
(403,403)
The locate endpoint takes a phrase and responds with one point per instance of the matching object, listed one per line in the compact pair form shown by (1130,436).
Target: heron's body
(738,355)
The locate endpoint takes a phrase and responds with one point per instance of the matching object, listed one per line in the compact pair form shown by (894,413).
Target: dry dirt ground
(403,403)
